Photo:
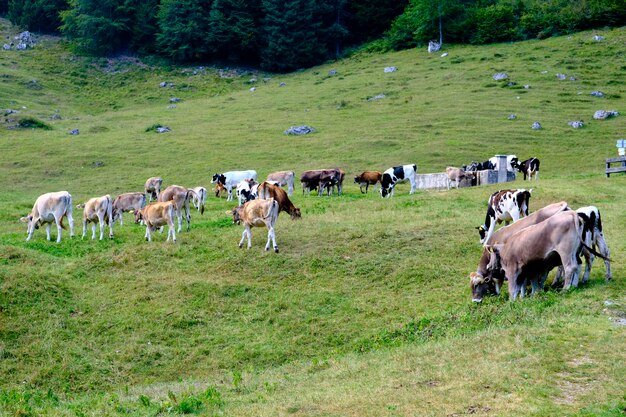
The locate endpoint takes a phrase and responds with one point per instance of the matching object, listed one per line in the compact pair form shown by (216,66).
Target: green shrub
(32,123)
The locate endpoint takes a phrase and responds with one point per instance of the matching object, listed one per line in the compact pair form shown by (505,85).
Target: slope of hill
(366,310)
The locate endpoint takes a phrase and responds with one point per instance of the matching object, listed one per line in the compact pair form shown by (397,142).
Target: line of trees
(284,35)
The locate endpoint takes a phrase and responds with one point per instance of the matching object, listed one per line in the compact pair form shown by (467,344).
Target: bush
(32,123)
(492,24)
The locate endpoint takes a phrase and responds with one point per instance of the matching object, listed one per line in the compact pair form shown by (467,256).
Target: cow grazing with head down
(257,213)
(125,203)
(283,178)
(230,180)
(48,208)
(532,252)
(182,199)
(504,206)
(157,215)
(456,175)
(528,168)
(394,175)
(268,190)
(153,187)
(367,178)
(319,179)
(484,281)
(98,210)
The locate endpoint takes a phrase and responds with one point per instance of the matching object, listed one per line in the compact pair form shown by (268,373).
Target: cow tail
(110,209)
(599,222)
(579,221)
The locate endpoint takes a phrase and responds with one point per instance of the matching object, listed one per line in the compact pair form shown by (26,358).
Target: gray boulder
(576,124)
(605,114)
(175,100)
(512,116)
(433,46)
(299,130)
(282,84)
(332,72)
(74,132)
(377,97)
(597,93)
(536,126)
(390,69)
(499,76)
(163,129)
(598,38)
(6,47)
(561,76)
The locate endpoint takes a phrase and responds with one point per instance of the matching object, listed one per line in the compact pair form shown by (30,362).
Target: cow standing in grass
(283,178)
(504,206)
(125,203)
(257,213)
(367,178)
(49,208)
(153,188)
(157,215)
(394,175)
(182,199)
(98,210)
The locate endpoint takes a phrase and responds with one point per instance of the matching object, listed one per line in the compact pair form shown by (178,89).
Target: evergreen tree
(98,26)
(35,15)
(291,35)
(233,29)
(145,25)
(369,19)
(183,29)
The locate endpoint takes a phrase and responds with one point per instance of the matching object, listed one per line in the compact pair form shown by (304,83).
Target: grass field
(366,310)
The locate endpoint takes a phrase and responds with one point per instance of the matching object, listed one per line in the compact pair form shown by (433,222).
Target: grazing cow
(319,179)
(456,175)
(199,199)
(153,187)
(511,162)
(181,197)
(339,181)
(230,180)
(48,208)
(157,215)
(98,210)
(532,252)
(127,202)
(478,166)
(219,189)
(394,175)
(485,281)
(504,205)
(257,213)
(528,168)
(593,237)
(247,190)
(367,178)
(268,190)
(283,178)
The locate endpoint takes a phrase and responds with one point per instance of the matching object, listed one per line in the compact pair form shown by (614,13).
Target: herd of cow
(521,253)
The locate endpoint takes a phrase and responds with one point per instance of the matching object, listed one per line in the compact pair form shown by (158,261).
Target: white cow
(230,180)
(98,210)
(199,199)
(504,206)
(394,175)
(48,208)
(283,178)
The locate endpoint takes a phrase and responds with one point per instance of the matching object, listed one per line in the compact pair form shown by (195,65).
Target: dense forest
(283,35)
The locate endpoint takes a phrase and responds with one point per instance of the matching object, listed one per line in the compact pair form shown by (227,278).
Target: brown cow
(268,190)
(257,213)
(153,187)
(456,175)
(125,203)
(320,179)
(484,281)
(98,210)
(156,215)
(182,197)
(532,252)
(283,178)
(367,178)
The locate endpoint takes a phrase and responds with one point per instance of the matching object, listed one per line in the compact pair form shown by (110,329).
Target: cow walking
(98,210)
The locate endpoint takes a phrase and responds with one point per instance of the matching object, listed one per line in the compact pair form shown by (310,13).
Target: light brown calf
(156,215)
(283,178)
(153,187)
(98,210)
(257,213)
(367,178)
(125,203)
(182,199)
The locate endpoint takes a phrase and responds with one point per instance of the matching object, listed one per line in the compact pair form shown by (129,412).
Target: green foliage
(496,23)
(183,29)
(29,122)
(35,15)
(369,19)
(233,31)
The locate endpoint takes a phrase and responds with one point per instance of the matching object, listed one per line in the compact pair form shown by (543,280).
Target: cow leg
(515,288)
(558,277)
(589,258)
(59,228)
(93,230)
(243,237)
(84,228)
(48,228)
(536,284)
(101,222)
(604,251)
(570,274)
(188,215)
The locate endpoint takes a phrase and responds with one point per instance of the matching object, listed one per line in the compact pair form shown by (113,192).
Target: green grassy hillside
(366,310)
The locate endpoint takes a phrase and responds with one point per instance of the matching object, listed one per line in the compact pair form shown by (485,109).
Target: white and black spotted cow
(504,206)
(394,175)
(528,168)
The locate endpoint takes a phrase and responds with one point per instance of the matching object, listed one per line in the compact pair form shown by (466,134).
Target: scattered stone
(597,93)
(433,46)
(171,106)
(299,130)
(252,81)
(25,37)
(163,129)
(167,84)
(74,132)
(604,114)
(332,72)
(536,125)
(511,84)
(378,97)
(175,100)
(253,89)
(598,38)
(544,72)
(6,47)
(620,321)
(267,79)
(10,111)
(500,76)
(390,69)
(572,78)
(609,303)
(282,84)
(97,164)
(512,116)
(56,116)
(527,87)
(445,54)
(576,124)
(561,76)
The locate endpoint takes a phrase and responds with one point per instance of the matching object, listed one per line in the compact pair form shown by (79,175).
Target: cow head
(482,231)
(138,215)
(235,213)
(32,225)
(295,213)
(386,191)
(480,286)
(357,179)
(218,178)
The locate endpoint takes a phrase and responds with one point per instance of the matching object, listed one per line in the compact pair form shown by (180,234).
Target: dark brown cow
(367,178)
(268,190)
(319,179)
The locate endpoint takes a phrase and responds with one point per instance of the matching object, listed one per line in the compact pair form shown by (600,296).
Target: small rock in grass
(299,130)
(163,129)
(576,124)
(512,116)
(597,93)
(499,76)
(390,69)
(536,125)
(74,132)
(605,114)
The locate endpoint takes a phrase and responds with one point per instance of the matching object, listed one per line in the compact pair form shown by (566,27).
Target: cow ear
(530,191)
(24,219)
(489,248)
